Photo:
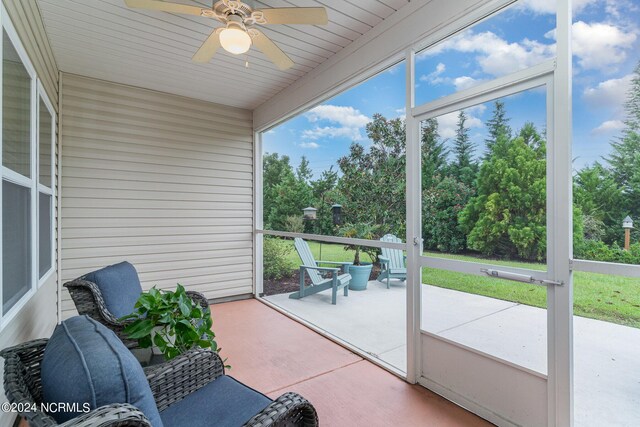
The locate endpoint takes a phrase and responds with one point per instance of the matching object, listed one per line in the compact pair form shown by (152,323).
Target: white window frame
(37,91)
(50,191)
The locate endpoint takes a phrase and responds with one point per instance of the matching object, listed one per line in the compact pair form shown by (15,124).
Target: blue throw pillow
(119,285)
(84,362)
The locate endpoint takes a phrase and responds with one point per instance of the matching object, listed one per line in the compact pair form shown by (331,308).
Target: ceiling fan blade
(273,52)
(164,6)
(208,48)
(296,15)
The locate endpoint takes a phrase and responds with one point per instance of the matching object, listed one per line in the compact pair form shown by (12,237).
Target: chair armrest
(116,415)
(198,298)
(290,409)
(383,259)
(88,300)
(175,379)
(335,262)
(311,267)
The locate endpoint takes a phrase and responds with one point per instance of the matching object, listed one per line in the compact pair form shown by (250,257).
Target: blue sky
(606,47)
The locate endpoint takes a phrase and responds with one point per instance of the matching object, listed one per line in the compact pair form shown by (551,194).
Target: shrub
(596,250)
(294,224)
(276,258)
(441,207)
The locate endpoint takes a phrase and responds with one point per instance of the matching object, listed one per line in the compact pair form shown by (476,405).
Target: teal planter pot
(359,276)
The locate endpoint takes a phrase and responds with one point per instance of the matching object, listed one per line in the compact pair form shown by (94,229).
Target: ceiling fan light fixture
(234,39)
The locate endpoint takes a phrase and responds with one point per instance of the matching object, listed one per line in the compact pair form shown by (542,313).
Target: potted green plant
(170,322)
(360,271)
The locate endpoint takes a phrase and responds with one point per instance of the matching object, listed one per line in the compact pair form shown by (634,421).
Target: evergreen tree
(625,156)
(462,146)
(434,154)
(303,172)
(276,169)
(325,195)
(601,201)
(498,126)
(464,168)
(508,215)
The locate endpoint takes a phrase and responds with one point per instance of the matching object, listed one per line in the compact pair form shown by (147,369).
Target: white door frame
(556,75)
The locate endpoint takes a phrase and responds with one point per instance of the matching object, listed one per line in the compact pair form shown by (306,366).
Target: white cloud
(495,55)
(609,126)
(465,82)
(401,112)
(600,46)
(448,123)
(342,121)
(345,116)
(549,6)
(333,132)
(311,145)
(609,93)
(460,83)
(434,76)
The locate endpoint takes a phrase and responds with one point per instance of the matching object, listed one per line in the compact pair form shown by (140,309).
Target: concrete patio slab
(445,309)
(372,320)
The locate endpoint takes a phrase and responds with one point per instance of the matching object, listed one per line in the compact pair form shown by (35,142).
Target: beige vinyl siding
(38,316)
(162,181)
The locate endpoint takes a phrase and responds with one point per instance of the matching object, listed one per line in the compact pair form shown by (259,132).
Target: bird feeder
(627,224)
(310,213)
(337,214)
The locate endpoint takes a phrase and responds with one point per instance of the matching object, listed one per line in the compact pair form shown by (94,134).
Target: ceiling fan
(239,32)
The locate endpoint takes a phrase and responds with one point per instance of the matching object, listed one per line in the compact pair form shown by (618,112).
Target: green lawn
(612,298)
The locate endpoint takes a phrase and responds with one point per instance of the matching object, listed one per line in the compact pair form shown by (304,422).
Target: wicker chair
(170,383)
(88,300)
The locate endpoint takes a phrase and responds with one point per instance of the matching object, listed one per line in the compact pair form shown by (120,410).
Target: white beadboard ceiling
(106,40)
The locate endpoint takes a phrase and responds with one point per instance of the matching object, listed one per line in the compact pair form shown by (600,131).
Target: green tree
(498,125)
(601,201)
(303,171)
(325,195)
(464,167)
(508,215)
(441,206)
(373,179)
(625,156)
(276,169)
(434,154)
(290,197)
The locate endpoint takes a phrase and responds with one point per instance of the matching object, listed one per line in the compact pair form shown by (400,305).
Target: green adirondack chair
(318,283)
(392,261)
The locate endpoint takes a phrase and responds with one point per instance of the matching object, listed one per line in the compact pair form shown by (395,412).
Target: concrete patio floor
(274,354)
(607,356)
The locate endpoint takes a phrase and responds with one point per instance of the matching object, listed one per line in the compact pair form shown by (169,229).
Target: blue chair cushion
(84,362)
(119,285)
(223,402)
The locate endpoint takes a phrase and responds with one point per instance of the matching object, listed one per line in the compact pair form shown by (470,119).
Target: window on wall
(27,177)
(16,176)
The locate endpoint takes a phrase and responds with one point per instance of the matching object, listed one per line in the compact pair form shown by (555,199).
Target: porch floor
(607,389)
(274,354)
